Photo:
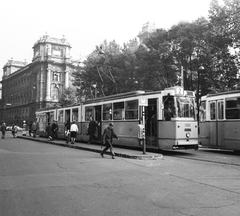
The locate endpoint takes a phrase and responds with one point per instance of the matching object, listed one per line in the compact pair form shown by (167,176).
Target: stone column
(48,85)
(66,79)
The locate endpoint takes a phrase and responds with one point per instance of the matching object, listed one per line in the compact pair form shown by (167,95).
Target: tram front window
(185,107)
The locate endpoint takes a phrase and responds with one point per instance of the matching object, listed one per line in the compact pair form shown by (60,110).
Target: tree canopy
(210,44)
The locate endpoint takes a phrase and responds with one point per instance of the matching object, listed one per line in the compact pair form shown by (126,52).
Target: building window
(55,93)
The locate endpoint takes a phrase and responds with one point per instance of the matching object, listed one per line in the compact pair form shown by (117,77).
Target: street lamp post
(95,92)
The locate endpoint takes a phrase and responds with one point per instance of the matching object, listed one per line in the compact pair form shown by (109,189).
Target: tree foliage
(156,63)
(68,97)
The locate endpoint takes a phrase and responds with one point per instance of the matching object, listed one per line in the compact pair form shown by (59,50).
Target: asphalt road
(42,179)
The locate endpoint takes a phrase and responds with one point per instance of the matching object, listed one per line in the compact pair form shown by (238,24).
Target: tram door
(50,117)
(216,123)
(151,122)
(67,115)
(98,118)
(220,123)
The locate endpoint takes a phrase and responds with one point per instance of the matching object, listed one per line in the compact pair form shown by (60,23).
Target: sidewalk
(119,152)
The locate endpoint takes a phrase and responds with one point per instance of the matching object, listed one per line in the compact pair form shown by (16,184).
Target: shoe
(102,155)
(113,157)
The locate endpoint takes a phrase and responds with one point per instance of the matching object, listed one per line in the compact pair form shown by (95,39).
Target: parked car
(19,128)
(9,128)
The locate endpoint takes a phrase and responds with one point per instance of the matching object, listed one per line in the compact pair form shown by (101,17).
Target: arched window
(55,93)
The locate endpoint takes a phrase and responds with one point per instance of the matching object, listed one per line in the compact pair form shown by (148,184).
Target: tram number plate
(187,125)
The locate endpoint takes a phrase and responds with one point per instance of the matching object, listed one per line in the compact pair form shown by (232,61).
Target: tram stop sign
(143,102)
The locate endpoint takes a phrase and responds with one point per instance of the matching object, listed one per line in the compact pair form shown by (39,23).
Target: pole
(144,137)
(182,78)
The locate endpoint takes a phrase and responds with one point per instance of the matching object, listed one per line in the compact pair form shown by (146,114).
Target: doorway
(98,118)
(151,122)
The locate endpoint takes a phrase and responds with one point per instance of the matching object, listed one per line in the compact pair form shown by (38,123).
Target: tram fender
(187,142)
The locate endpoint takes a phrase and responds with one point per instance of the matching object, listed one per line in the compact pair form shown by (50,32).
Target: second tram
(220,120)
(169,118)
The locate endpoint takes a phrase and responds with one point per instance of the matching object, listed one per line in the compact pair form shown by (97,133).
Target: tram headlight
(188,135)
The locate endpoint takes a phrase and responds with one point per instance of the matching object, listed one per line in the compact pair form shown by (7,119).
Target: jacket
(74,128)
(3,128)
(108,135)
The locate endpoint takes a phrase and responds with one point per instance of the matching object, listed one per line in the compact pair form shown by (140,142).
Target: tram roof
(222,93)
(115,96)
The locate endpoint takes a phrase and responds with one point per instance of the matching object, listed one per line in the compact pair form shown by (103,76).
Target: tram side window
(213,111)
(51,116)
(75,114)
(107,111)
(233,108)
(202,113)
(169,109)
(220,110)
(89,112)
(60,116)
(118,111)
(131,109)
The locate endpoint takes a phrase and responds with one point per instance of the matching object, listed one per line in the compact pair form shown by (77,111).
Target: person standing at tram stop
(92,129)
(14,130)
(67,131)
(30,128)
(48,131)
(73,132)
(54,130)
(34,129)
(3,129)
(108,135)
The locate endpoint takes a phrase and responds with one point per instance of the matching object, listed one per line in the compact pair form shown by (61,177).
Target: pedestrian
(73,132)
(34,128)
(48,131)
(30,129)
(54,130)
(67,131)
(3,129)
(108,135)
(92,127)
(14,130)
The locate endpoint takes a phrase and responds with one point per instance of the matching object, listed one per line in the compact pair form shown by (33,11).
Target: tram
(220,120)
(167,118)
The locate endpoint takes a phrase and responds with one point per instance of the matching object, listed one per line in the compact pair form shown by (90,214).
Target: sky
(85,23)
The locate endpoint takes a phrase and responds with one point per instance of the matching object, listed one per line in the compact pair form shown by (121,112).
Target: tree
(68,97)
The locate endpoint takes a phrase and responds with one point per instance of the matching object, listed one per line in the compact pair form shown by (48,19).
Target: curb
(123,155)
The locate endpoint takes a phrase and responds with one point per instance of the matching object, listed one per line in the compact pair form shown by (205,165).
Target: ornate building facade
(147,29)
(29,87)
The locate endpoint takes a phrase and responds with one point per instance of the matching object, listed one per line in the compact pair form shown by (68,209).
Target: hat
(111,124)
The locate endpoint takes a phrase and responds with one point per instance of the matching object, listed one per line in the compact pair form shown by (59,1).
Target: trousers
(108,146)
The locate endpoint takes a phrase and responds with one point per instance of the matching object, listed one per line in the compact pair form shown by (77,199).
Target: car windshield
(185,107)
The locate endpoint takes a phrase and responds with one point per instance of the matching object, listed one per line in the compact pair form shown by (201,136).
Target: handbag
(67,133)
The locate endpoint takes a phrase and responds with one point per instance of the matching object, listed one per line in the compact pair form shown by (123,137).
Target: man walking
(3,129)
(34,129)
(92,129)
(54,130)
(108,135)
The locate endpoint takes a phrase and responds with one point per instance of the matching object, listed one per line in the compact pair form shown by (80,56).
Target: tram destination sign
(143,102)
